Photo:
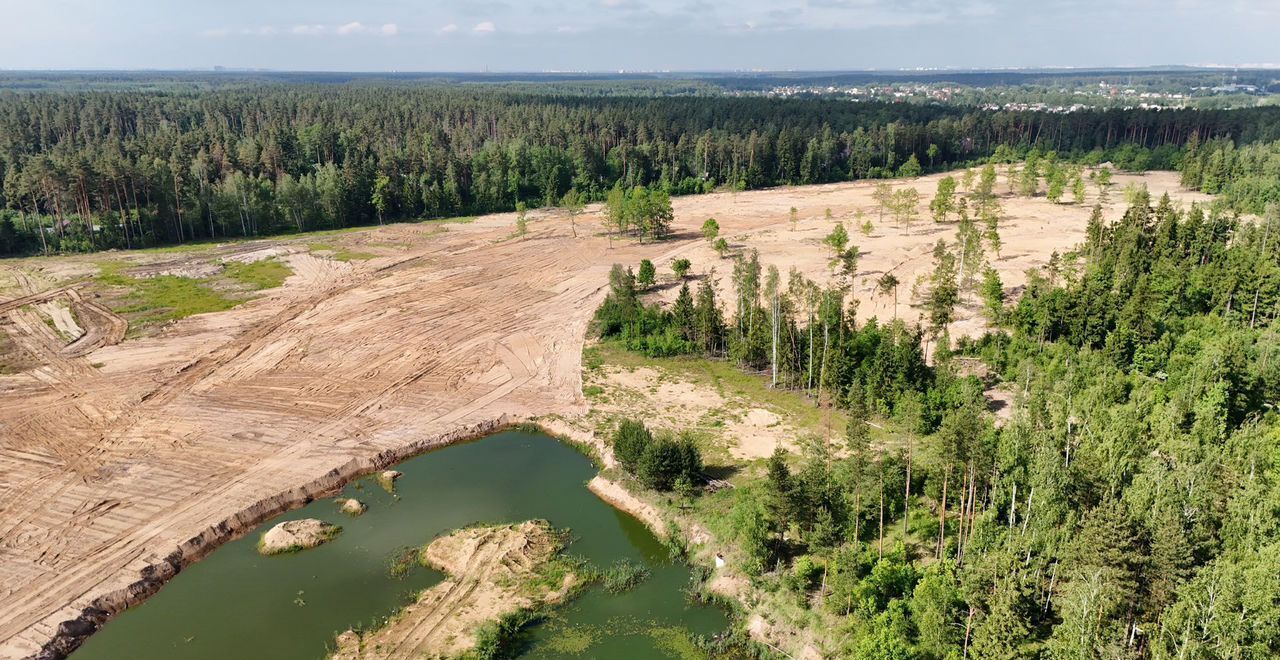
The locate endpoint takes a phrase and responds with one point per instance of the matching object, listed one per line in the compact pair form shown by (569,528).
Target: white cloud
(449,29)
(484,27)
(308,30)
(390,30)
(351,28)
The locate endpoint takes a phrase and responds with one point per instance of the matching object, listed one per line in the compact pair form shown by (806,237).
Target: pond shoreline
(72,633)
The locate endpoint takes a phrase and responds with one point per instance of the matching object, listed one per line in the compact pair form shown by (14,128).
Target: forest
(84,170)
(1130,508)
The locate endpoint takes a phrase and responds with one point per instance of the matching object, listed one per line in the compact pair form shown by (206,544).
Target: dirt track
(113,460)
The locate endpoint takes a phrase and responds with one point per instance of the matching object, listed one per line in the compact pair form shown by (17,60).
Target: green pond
(238,604)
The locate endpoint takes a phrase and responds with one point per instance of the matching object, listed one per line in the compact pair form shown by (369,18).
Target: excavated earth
(488,571)
(122,461)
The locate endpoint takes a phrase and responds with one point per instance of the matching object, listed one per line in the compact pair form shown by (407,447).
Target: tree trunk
(881,533)
(906,499)
(942,514)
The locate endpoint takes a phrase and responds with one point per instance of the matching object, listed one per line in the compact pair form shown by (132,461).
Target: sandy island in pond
(492,572)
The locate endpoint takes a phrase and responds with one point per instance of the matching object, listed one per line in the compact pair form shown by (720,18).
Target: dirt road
(121,464)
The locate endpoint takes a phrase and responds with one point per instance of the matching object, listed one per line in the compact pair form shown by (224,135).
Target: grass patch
(156,300)
(460,220)
(505,638)
(338,253)
(259,275)
(402,562)
(167,298)
(623,576)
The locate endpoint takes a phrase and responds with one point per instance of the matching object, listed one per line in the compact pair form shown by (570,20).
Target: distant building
(1235,89)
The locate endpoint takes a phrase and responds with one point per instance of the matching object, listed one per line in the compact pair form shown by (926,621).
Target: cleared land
(123,459)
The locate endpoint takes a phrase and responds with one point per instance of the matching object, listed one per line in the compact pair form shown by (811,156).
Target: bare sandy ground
(488,568)
(121,463)
(1034,229)
(667,402)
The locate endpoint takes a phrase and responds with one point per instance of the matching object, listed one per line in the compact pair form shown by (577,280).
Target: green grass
(402,561)
(623,576)
(259,275)
(156,300)
(168,298)
(339,253)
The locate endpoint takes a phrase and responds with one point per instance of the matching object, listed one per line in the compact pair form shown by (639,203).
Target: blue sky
(606,35)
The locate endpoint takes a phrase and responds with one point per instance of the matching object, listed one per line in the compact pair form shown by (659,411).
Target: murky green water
(238,604)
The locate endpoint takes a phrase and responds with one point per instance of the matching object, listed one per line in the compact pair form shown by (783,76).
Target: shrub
(666,461)
(624,575)
(629,443)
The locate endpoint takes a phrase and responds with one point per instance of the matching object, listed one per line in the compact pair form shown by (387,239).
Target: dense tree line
(101,169)
(1130,508)
(1247,178)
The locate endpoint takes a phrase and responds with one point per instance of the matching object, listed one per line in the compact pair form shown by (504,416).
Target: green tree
(906,207)
(680,267)
(888,285)
(574,205)
(522,219)
(838,239)
(944,202)
(944,293)
(666,460)
(381,195)
(883,196)
(721,247)
(863,222)
(710,230)
(630,441)
(1102,179)
(992,296)
(937,609)
(647,275)
(910,169)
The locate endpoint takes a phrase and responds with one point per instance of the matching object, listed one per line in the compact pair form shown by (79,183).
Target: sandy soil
(667,402)
(296,535)
(1034,229)
(622,499)
(124,461)
(487,569)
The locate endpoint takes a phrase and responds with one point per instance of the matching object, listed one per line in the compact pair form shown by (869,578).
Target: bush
(497,640)
(666,461)
(629,444)
(658,463)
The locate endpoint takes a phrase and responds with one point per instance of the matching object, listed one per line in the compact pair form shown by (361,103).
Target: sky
(633,35)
